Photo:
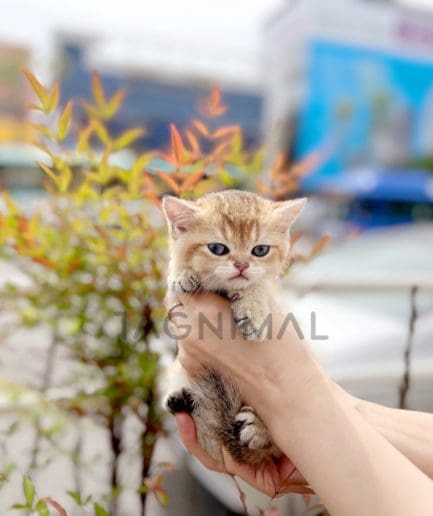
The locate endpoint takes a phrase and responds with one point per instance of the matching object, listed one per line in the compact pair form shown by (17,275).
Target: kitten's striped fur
(240,221)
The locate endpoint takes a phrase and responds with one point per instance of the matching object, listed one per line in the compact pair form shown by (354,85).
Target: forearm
(351,466)
(409,431)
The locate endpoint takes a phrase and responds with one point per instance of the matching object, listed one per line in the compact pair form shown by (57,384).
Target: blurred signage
(13,93)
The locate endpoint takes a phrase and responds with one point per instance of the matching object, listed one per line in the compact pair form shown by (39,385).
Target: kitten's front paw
(186,281)
(179,401)
(252,323)
(251,432)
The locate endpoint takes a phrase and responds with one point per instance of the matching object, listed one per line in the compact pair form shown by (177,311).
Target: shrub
(94,252)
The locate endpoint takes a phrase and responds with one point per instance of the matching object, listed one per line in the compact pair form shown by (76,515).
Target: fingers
(192,365)
(170,299)
(188,436)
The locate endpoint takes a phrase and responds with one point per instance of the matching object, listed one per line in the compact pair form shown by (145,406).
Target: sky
(220,37)
(224,35)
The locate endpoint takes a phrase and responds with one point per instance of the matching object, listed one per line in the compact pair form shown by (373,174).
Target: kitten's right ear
(180,214)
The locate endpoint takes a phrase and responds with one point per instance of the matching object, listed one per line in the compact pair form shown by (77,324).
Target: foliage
(94,254)
(34,505)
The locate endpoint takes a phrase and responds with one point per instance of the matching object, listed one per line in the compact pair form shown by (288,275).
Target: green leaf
(53,99)
(99,511)
(20,507)
(42,508)
(127,138)
(29,490)
(101,131)
(76,496)
(114,104)
(44,130)
(49,172)
(162,497)
(64,121)
(98,91)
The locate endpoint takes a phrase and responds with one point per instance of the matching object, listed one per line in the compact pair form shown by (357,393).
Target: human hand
(206,336)
(272,479)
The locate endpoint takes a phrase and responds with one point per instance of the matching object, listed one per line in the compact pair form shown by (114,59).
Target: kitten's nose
(241,266)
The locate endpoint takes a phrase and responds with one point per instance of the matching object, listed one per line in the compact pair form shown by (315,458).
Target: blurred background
(349,81)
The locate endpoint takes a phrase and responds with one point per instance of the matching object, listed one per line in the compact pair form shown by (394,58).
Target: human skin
(358,457)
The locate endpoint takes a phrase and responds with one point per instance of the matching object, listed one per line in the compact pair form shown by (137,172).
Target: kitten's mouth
(239,276)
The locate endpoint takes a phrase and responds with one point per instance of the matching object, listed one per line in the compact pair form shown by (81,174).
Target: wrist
(286,382)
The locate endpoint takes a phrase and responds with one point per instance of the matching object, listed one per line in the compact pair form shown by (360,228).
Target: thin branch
(405,383)
(45,385)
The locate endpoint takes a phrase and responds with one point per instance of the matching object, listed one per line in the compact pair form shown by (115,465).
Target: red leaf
(61,510)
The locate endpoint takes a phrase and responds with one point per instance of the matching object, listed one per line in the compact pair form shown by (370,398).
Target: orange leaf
(169,181)
(220,149)
(307,165)
(37,87)
(176,145)
(321,244)
(212,106)
(225,131)
(121,253)
(191,181)
(98,91)
(193,142)
(44,261)
(201,128)
(73,264)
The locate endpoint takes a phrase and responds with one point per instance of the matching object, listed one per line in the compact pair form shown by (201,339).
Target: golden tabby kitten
(236,244)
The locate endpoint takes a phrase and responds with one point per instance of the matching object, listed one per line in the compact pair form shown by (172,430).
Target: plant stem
(115,429)
(45,385)
(148,441)
(405,383)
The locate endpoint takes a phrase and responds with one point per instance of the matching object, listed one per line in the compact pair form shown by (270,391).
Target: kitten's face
(231,239)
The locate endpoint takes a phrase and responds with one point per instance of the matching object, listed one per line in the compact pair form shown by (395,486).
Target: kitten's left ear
(288,211)
(180,214)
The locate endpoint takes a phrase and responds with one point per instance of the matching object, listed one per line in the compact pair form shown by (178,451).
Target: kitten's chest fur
(214,402)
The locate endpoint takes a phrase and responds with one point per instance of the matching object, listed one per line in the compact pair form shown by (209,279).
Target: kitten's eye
(260,250)
(218,249)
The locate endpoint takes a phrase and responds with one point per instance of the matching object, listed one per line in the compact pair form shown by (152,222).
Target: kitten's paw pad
(179,401)
(250,430)
(185,283)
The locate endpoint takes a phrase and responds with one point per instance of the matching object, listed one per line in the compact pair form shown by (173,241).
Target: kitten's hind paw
(250,430)
(179,401)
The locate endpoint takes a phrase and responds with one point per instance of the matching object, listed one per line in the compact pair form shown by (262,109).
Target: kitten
(236,244)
